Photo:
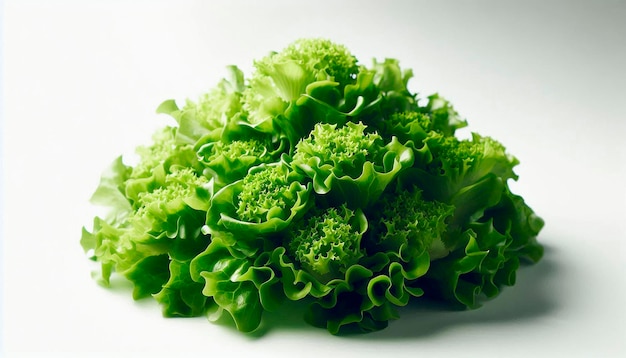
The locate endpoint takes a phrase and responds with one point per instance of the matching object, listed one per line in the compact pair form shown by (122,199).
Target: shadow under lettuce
(531,297)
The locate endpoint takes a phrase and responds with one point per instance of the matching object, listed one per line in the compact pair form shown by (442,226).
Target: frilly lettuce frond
(229,162)
(445,119)
(281,78)
(329,242)
(211,112)
(488,254)
(265,201)
(469,174)
(408,225)
(346,164)
(240,285)
(180,296)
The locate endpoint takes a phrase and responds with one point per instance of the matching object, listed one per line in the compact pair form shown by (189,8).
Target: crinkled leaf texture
(236,282)
(317,181)
(229,160)
(487,255)
(222,213)
(359,182)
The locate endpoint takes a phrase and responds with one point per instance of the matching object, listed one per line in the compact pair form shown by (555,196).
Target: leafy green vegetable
(320,181)
(348,165)
(328,243)
(265,201)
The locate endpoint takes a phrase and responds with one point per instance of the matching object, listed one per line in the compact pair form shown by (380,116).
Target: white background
(81,81)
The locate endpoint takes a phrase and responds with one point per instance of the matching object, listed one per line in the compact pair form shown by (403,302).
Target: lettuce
(319,181)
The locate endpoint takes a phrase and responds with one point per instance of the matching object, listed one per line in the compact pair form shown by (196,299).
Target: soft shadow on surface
(290,318)
(531,297)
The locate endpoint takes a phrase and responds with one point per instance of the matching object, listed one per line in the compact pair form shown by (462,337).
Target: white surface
(81,83)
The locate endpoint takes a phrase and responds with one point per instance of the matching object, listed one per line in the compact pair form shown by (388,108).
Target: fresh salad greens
(318,180)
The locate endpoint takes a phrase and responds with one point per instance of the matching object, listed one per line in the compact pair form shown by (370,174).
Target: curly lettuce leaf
(180,296)
(211,112)
(348,165)
(227,161)
(445,119)
(238,287)
(491,251)
(281,77)
(469,174)
(265,201)
(328,242)
(407,225)
(148,275)
(110,193)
